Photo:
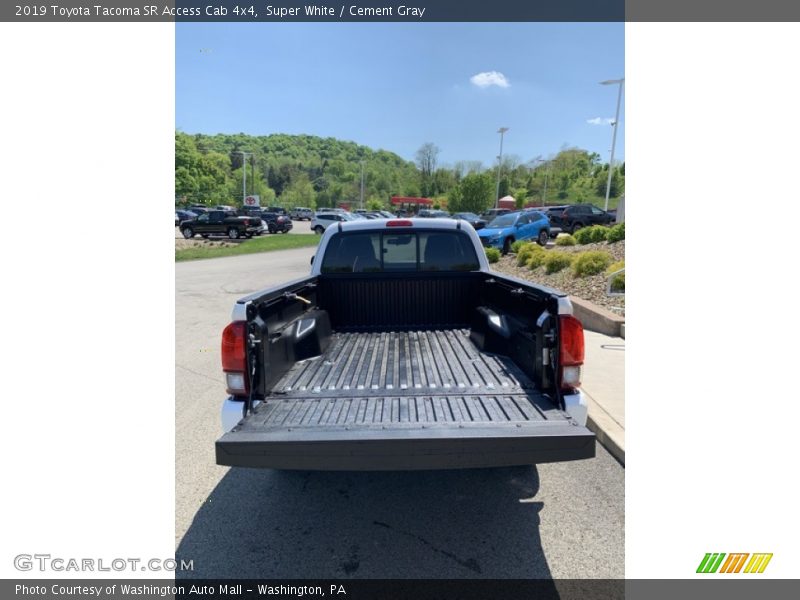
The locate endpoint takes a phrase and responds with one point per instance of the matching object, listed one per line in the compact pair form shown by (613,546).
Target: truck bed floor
(404,379)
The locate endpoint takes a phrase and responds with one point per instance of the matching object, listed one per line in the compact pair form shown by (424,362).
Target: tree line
(310,171)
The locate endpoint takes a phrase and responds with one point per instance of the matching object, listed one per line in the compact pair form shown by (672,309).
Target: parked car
(222,222)
(301,214)
(547,211)
(471,218)
(523,225)
(489,365)
(183,215)
(324,219)
(489,215)
(430,213)
(573,217)
(276,223)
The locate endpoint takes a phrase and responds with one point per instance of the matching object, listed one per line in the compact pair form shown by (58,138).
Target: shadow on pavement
(431,524)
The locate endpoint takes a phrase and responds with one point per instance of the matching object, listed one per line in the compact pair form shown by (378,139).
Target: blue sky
(397,86)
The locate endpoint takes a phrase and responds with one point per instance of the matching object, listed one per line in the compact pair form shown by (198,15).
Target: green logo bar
(710,563)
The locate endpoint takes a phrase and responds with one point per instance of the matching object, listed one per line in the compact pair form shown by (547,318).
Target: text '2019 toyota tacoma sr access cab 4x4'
(403,350)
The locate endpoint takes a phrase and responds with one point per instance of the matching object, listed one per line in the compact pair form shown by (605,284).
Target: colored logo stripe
(758,563)
(710,563)
(734,562)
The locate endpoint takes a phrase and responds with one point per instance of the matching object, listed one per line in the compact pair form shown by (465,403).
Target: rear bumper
(400,448)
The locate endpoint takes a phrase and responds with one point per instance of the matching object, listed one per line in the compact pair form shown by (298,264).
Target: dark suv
(573,217)
(276,223)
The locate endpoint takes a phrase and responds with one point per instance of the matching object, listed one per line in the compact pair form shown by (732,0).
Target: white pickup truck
(403,350)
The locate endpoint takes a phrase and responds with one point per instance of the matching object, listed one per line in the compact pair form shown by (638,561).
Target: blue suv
(507,229)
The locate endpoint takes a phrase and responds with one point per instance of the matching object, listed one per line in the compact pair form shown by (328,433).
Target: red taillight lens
(234,357)
(571,352)
(399,223)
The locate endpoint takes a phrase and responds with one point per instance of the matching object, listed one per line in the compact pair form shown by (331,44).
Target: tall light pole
(362,184)
(502,132)
(621,83)
(244,172)
(546,173)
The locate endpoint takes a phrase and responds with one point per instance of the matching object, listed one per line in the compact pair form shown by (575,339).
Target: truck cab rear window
(378,252)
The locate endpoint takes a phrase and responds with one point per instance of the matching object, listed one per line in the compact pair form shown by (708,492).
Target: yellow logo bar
(758,563)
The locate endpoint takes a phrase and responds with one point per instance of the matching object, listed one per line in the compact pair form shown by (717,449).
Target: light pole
(362,184)
(546,173)
(502,132)
(621,83)
(244,172)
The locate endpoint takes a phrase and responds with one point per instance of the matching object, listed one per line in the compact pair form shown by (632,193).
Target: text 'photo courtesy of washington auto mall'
(400,300)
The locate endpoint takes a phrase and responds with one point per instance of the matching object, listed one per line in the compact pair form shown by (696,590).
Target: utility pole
(621,83)
(502,132)
(244,172)
(546,175)
(362,184)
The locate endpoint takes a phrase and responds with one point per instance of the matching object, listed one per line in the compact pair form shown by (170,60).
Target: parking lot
(561,520)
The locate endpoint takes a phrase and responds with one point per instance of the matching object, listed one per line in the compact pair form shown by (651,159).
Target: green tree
(300,192)
(473,194)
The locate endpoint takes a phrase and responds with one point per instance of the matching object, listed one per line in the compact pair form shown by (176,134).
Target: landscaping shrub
(591,263)
(616,233)
(517,245)
(492,255)
(536,258)
(565,240)
(618,281)
(556,261)
(524,253)
(591,235)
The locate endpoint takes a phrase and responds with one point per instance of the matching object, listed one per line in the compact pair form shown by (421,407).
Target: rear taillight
(571,352)
(234,358)
(246,222)
(399,223)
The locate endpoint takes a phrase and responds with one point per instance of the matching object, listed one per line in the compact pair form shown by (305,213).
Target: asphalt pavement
(563,520)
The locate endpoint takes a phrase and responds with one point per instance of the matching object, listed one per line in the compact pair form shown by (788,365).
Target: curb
(614,449)
(596,318)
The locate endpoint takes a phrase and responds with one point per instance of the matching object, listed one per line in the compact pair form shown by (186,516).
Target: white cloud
(600,121)
(488,78)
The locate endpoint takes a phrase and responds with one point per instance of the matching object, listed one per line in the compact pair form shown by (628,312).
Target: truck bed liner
(405,377)
(404,400)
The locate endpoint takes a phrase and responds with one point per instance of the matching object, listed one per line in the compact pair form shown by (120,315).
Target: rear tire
(575,227)
(187,232)
(233,233)
(319,230)
(507,245)
(543,238)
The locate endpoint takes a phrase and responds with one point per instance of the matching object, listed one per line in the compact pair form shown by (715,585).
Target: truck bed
(404,400)
(404,377)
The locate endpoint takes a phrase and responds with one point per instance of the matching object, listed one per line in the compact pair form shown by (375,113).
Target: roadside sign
(252,201)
